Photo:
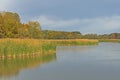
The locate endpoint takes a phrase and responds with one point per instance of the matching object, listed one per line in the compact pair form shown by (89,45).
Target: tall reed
(72,42)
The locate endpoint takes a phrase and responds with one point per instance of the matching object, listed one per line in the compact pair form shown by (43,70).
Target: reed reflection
(12,67)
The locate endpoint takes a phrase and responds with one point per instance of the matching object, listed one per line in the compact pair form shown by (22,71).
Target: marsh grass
(12,48)
(19,47)
(72,42)
(109,40)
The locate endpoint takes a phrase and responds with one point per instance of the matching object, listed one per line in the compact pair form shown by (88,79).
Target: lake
(100,62)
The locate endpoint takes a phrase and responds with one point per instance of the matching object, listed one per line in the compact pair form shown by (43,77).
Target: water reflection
(75,48)
(10,68)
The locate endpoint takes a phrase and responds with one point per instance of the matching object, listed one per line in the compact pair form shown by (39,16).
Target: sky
(86,16)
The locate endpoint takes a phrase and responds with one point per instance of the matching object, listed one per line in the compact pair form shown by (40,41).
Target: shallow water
(100,62)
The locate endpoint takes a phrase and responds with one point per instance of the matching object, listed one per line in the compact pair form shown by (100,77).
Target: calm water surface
(100,62)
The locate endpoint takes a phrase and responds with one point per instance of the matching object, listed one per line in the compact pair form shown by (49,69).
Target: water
(100,62)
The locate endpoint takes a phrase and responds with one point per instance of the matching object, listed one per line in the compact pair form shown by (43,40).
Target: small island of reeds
(12,48)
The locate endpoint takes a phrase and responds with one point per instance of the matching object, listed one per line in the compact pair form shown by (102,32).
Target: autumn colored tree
(34,29)
(11,22)
(2,31)
(11,27)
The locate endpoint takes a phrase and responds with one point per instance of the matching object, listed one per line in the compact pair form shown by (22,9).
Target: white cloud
(94,25)
(56,22)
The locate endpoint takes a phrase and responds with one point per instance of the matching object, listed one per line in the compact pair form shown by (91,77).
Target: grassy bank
(12,48)
(109,40)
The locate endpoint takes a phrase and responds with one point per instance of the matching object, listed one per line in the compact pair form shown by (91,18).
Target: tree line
(103,36)
(50,34)
(11,27)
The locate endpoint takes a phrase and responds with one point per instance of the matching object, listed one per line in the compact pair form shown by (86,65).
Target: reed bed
(19,47)
(12,48)
(73,42)
(109,40)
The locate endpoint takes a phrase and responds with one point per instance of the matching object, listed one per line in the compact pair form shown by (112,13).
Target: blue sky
(86,16)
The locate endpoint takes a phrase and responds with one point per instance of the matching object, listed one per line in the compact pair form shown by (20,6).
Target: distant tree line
(104,36)
(49,34)
(11,27)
